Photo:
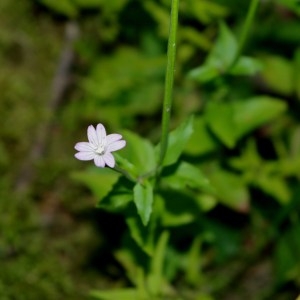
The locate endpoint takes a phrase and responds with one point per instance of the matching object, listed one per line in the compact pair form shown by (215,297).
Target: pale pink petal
(101,134)
(92,136)
(85,155)
(116,146)
(109,159)
(84,147)
(99,161)
(113,138)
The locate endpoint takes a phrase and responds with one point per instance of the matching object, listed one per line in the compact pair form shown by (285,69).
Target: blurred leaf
(194,37)
(99,181)
(288,166)
(219,117)
(139,152)
(296,65)
(224,50)
(201,140)
(278,74)
(231,121)
(249,160)
(246,66)
(274,186)
(231,190)
(64,7)
(126,71)
(130,261)
(143,199)
(194,275)
(188,175)
(124,294)
(206,11)
(177,141)
(161,16)
(292,5)
(118,198)
(204,73)
(206,202)
(155,278)
(178,208)
(254,112)
(226,239)
(88,3)
(220,58)
(287,255)
(142,235)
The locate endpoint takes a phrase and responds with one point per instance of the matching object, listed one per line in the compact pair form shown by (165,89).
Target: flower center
(100,150)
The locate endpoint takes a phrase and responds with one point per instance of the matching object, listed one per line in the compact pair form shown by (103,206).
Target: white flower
(100,146)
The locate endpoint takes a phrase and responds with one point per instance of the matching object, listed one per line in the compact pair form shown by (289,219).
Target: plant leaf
(139,151)
(219,117)
(201,140)
(246,66)
(64,7)
(220,57)
(231,190)
(124,294)
(143,199)
(177,141)
(155,277)
(99,181)
(254,112)
(142,235)
(119,197)
(225,49)
(188,175)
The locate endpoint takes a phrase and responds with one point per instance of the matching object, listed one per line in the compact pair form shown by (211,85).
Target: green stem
(245,31)
(124,173)
(168,96)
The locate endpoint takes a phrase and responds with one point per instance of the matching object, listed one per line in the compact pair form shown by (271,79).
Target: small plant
(162,188)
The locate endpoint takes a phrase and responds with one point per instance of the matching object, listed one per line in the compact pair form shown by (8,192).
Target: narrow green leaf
(124,294)
(64,7)
(287,255)
(142,235)
(177,141)
(193,270)
(130,261)
(143,199)
(155,278)
(204,73)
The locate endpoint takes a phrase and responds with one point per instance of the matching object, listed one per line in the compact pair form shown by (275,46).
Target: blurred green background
(66,64)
